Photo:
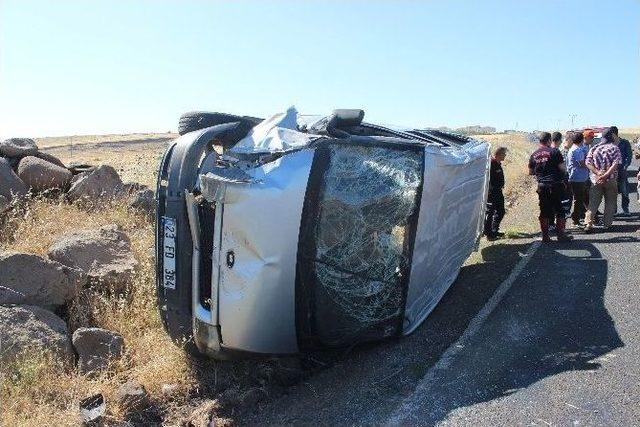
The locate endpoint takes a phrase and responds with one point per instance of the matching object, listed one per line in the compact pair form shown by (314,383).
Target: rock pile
(33,287)
(36,291)
(24,168)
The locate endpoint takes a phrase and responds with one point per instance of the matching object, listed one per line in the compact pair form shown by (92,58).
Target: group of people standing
(576,171)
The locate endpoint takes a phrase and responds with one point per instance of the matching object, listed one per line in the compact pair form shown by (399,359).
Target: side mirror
(346,117)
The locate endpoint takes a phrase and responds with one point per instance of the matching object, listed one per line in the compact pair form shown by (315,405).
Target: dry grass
(36,390)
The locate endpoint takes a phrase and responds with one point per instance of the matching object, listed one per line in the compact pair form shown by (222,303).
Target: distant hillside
(472,130)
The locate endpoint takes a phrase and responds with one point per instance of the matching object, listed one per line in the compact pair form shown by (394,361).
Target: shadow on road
(553,320)
(367,382)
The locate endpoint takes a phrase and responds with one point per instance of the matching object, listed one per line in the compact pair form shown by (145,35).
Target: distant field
(631,134)
(66,141)
(134,156)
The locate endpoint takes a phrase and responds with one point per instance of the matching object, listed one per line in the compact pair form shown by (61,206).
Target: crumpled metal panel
(368,196)
(279,133)
(260,226)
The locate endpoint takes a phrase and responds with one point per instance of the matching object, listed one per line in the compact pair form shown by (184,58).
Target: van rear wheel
(196,120)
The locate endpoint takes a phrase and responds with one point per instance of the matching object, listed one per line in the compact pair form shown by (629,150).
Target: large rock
(30,279)
(49,158)
(10,183)
(144,201)
(42,175)
(133,397)
(92,410)
(27,328)
(103,254)
(101,182)
(18,147)
(96,348)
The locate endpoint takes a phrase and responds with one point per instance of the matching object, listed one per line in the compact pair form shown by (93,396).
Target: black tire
(196,120)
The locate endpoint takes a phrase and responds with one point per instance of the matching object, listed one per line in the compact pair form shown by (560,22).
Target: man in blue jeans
(578,178)
(627,155)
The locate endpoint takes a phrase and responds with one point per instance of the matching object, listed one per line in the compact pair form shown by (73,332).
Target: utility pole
(573,118)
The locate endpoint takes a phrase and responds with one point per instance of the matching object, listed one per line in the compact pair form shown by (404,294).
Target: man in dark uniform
(495,199)
(547,164)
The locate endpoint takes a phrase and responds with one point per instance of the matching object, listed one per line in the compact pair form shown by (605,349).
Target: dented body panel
(261,220)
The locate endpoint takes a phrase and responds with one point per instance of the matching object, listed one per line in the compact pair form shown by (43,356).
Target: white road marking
(405,412)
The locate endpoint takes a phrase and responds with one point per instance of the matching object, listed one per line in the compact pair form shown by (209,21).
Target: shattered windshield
(368,196)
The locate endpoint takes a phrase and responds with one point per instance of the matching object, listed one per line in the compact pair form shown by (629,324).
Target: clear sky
(82,67)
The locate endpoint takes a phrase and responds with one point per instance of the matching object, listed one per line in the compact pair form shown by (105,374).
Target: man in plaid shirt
(603,162)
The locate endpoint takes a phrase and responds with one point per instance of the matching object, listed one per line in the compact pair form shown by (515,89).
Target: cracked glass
(368,197)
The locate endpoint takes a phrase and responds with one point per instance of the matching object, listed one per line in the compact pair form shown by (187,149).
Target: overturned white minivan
(298,233)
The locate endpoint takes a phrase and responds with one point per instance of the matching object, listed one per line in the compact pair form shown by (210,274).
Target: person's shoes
(544,228)
(561,224)
(500,235)
(494,237)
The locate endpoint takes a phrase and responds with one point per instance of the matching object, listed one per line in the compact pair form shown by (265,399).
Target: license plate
(169,230)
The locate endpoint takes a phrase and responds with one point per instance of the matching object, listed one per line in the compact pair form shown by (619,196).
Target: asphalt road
(561,348)
(553,341)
